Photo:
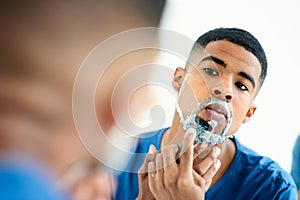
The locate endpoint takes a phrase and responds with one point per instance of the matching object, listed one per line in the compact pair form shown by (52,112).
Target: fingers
(170,166)
(202,167)
(200,149)
(144,190)
(169,155)
(206,180)
(163,173)
(159,171)
(212,171)
(156,170)
(150,157)
(152,176)
(186,159)
(168,179)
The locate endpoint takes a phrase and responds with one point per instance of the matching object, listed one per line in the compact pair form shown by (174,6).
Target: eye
(211,71)
(241,86)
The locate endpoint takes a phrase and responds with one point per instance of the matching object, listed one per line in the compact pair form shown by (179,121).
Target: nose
(223,91)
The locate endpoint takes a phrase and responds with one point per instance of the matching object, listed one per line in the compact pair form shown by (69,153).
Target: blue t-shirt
(250,176)
(296,163)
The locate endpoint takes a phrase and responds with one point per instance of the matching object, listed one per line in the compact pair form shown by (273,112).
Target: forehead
(233,51)
(235,57)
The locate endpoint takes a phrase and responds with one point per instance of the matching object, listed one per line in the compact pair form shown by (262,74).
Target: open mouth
(211,119)
(201,122)
(216,110)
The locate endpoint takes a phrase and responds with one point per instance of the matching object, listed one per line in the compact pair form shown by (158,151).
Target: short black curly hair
(239,37)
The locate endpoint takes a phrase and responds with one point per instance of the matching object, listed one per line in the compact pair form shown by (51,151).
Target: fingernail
(151,149)
(216,151)
(217,164)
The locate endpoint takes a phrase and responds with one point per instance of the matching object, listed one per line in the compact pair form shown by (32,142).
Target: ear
(250,113)
(178,78)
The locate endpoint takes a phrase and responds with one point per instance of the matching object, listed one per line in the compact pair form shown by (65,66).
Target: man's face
(226,71)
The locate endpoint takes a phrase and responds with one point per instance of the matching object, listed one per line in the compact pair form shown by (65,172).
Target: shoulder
(148,138)
(253,161)
(263,173)
(252,158)
(139,152)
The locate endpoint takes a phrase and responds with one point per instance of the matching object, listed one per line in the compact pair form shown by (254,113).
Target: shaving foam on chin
(205,130)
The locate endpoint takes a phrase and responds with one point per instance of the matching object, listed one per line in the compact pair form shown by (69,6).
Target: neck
(175,134)
(228,150)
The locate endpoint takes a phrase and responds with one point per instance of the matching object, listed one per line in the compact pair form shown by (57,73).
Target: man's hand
(171,180)
(144,191)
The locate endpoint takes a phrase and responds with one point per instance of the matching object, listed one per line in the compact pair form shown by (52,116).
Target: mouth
(217,110)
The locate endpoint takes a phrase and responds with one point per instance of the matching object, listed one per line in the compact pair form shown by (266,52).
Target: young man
(228,64)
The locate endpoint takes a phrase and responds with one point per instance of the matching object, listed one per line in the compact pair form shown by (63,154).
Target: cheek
(236,122)
(239,111)
(199,87)
(193,91)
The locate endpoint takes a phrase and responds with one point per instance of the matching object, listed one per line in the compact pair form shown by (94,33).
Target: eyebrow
(216,60)
(247,76)
(222,63)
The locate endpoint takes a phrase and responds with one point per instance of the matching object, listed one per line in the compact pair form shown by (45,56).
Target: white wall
(273,129)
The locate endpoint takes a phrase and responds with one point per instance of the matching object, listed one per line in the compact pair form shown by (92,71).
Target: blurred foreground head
(54,37)
(42,45)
